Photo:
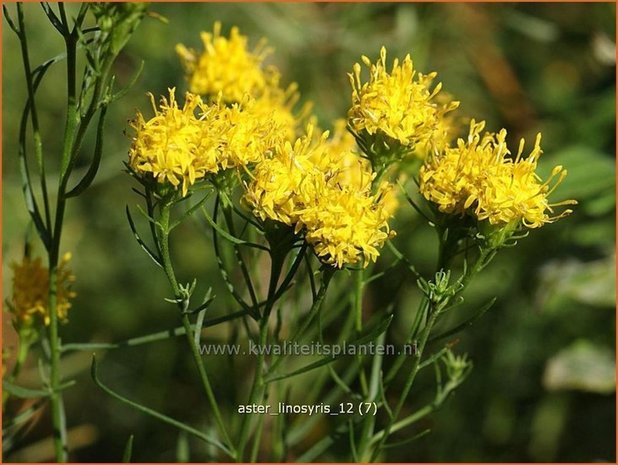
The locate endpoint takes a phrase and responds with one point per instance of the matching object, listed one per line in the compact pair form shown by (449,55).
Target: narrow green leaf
(122,92)
(402,258)
(228,236)
(190,211)
(154,337)
(413,203)
(128,450)
(54,19)
(286,284)
(22,392)
(39,71)
(86,181)
(153,413)
(372,334)
(407,441)
(465,324)
(435,357)
(200,318)
(375,331)
(31,203)
(182,448)
(140,241)
(223,271)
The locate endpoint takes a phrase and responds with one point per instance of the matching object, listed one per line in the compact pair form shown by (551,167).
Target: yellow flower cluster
(226,66)
(30,297)
(399,104)
(309,185)
(444,133)
(229,71)
(353,170)
(180,146)
(278,104)
(478,177)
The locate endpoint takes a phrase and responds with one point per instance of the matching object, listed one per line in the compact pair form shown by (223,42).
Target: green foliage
(541,388)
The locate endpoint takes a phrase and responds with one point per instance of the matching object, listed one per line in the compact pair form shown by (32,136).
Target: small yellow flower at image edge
(30,297)
(479,177)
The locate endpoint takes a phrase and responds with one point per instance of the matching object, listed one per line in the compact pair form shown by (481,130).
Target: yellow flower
(478,177)
(226,66)
(389,198)
(340,158)
(173,146)
(226,70)
(285,183)
(179,147)
(30,297)
(342,140)
(443,134)
(346,226)
(280,105)
(399,105)
(324,193)
(247,132)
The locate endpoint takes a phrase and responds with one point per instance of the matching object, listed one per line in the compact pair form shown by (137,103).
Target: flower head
(173,146)
(226,66)
(478,177)
(30,299)
(278,105)
(227,71)
(399,105)
(284,184)
(180,146)
(247,132)
(326,195)
(443,134)
(346,226)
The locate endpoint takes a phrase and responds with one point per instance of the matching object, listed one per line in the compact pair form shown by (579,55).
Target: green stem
(369,420)
(409,382)
(399,361)
(227,212)
(358,300)
(57,407)
(482,260)
(257,389)
(256,441)
(205,381)
(163,240)
(327,275)
(358,323)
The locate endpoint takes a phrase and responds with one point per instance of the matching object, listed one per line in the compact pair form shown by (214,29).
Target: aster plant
(41,296)
(297,218)
(316,207)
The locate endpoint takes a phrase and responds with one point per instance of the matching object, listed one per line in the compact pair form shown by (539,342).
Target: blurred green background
(543,386)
